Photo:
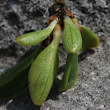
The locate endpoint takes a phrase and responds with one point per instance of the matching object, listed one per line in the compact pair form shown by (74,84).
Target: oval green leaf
(90,40)
(70,72)
(72,40)
(43,71)
(36,37)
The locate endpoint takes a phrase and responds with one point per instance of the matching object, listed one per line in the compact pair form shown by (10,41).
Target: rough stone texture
(92,89)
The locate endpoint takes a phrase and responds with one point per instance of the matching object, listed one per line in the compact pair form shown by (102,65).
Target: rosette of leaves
(39,70)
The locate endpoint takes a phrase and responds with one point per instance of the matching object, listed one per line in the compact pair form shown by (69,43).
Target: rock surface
(92,89)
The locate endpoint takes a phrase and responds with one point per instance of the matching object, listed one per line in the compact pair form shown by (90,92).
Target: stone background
(92,89)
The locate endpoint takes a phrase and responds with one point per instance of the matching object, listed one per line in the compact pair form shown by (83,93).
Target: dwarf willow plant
(39,70)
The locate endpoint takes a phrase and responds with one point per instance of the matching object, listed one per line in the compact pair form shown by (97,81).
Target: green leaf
(15,81)
(43,71)
(90,40)
(72,40)
(70,73)
(17,69)
(36,37)
(15,87)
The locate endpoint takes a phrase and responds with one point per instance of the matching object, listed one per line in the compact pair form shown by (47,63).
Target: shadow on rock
(54,91)
(22,103)
(3,102)
(85,54)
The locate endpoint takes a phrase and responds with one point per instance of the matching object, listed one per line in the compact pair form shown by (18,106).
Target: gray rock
(92,88)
